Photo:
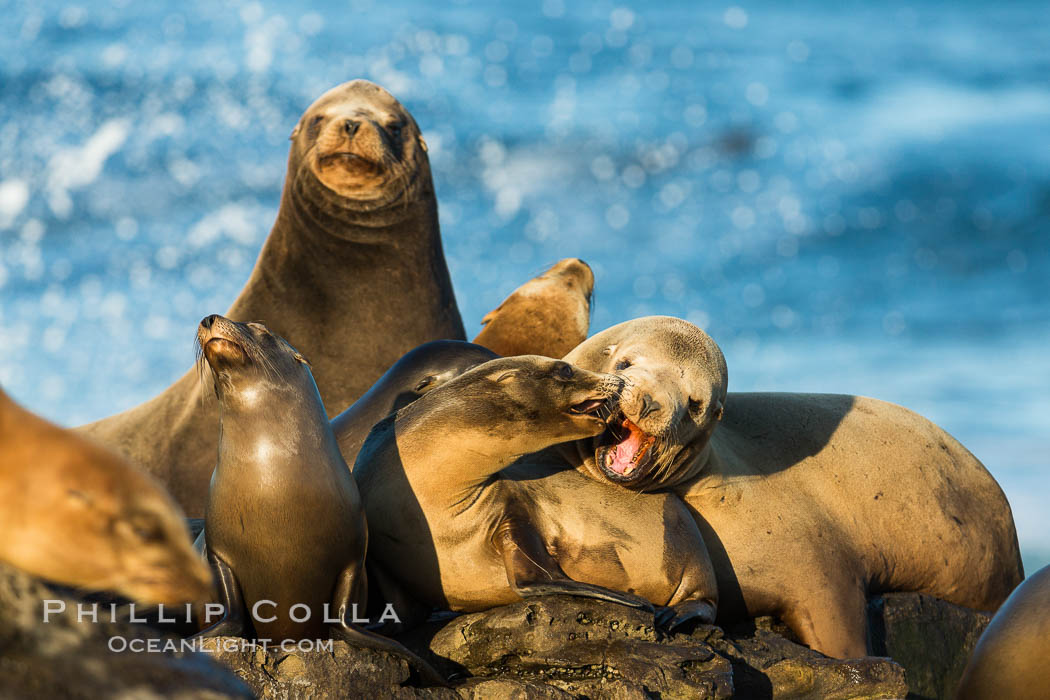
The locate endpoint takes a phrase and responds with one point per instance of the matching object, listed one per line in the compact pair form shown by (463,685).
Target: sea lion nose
(208,321)
(648,405)
(350,126)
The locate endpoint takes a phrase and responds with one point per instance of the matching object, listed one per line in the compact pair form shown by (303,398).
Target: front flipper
(532,571)
(234,622)
(352,587)
(685,615)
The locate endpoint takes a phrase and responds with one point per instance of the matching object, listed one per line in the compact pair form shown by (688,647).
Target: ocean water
(849,197)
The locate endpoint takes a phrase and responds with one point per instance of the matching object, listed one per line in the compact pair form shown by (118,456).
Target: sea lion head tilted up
(675,381)
(549,315)
(356,143)
(284,527)
(255,361)
(75,513)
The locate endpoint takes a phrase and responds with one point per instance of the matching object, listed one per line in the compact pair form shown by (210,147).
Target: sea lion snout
(221,343)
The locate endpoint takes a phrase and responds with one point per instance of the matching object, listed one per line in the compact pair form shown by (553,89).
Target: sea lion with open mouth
(549,315)
(809,502)
(459,522)
(75,513)
(352,273)
(284,530)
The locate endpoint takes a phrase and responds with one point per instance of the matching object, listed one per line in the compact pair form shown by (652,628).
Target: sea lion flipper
(686,613)
(352,586)
(532,571)
(234,622)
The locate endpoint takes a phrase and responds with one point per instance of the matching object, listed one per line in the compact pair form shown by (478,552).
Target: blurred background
(849,197)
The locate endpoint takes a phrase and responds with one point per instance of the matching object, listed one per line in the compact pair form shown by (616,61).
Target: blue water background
(849,197)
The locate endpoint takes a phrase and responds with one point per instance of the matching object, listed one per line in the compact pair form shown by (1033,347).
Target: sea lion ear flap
(719,409)
(490,316)
(422,143)
(295,131)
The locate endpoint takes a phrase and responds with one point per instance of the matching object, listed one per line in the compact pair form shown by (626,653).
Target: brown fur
(75,513)
(461,523)
(1010,658)
(284,518)
(549,315)
(352,273)
(808,502)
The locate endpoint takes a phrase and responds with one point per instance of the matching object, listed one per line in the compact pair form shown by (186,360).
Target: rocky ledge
(564,647)
(553,647)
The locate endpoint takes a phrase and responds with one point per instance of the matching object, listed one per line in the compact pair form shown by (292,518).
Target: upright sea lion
(808,502)
(1010,658)
(549,315)
(77,514)
(420,370)
(352,273)
(460,525)
(285,530)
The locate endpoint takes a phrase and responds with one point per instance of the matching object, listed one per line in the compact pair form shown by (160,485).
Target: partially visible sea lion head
(77,514)
(548,315)
(514,399)
(426,368)
(675,381)
(362,145)
(250,365)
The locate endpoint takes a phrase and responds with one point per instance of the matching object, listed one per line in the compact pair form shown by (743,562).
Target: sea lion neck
(442,427)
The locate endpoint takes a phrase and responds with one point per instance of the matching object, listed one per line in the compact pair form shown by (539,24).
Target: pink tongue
(624,452)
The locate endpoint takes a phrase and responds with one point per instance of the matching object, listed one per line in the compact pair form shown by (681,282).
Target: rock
(579,645)
(591,648)
(767,664)
(551,648)
(931,638)
(341,671)
(509,689)
(67,658)
(196,526)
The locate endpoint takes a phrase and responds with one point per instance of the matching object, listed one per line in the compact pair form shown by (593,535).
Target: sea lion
(1009,660)
(420,370)
(808,502)
(284,529)
(549,315)
(352,273)
(459,524)
(77,514)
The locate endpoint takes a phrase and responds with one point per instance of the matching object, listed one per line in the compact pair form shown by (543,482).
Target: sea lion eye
(695,405)
(507,375)
(565,371)
(395,130)
(423,384)
(315,126)
(147,528)
(622,364)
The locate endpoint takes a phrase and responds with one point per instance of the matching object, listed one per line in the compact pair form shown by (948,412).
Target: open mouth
(624,450)
(590,407)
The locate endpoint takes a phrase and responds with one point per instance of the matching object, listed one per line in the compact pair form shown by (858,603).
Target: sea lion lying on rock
(809,503)
(459,525)
(75,513)
(352,273)
(549,315)
(284,530)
